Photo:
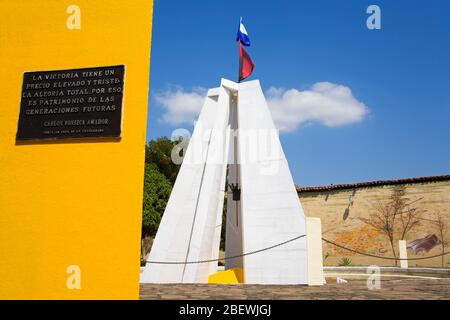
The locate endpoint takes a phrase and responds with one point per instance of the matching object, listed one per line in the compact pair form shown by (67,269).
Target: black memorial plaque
(75,103)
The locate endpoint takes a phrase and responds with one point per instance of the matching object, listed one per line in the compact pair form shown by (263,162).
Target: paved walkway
(354,289)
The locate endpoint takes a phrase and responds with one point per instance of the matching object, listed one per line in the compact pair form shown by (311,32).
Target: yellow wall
(72,203)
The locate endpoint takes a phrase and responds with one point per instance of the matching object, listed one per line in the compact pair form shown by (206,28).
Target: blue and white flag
(242,35)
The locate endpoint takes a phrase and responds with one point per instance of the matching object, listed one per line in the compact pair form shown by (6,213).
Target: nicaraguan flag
(246,64)
(242,35)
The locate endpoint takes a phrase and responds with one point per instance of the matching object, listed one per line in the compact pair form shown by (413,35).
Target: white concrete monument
(236,143)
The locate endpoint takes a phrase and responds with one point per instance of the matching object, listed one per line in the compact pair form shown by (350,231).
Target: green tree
(157,189)
(159,152)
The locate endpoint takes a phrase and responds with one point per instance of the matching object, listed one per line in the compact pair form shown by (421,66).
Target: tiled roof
(374,183)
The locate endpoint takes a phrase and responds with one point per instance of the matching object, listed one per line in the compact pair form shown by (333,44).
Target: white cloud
(326,103)
(181,106)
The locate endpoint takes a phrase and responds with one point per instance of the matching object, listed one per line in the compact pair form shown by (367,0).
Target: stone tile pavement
(354,290)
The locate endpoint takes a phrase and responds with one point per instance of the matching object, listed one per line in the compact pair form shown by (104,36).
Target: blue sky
(399,75)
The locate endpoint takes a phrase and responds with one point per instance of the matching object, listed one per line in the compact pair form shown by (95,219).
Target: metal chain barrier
(228,258)
(290,240)
(381,257)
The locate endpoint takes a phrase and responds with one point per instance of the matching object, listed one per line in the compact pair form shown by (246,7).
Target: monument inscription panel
(75,103)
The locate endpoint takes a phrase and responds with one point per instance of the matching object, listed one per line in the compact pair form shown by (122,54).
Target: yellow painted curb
(231,276)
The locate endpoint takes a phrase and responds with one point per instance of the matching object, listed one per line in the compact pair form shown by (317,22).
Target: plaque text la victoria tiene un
(75,103)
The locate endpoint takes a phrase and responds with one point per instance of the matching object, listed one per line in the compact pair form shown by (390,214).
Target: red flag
(246,64)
